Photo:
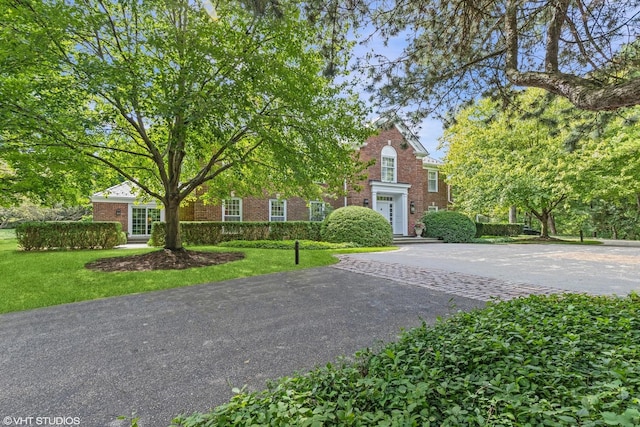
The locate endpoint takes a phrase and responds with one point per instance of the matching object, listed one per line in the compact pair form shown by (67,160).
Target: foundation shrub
(496,229)
(35,236)
(449,226)
(355,224)
(214,232)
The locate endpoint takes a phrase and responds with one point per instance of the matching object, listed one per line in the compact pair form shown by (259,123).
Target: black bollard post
(297,249)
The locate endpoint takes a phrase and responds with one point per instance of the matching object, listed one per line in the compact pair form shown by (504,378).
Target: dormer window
(389,156)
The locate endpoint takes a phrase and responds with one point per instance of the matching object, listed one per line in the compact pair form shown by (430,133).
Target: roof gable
(123,190)
(386,121)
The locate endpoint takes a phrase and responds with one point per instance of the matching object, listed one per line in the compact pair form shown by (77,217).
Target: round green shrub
(449,226)
(355,224)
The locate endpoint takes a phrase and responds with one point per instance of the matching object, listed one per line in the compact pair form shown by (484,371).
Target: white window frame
(232,218)
(389,154)
(320,208)
(148,221)
(277,218)
(430,188)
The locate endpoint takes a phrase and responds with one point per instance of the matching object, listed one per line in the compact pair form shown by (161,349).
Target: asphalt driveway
(183,350)
(163,353)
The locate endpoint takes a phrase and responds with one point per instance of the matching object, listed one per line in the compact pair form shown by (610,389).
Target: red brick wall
(108,212)
(439,199)
(206,212)
(253,209)
(409,169)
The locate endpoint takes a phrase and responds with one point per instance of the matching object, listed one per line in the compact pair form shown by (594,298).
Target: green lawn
(39,279)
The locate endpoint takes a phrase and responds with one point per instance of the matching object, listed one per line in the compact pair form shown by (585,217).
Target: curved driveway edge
(177,351)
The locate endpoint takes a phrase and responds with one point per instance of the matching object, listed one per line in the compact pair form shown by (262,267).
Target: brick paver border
(460,284)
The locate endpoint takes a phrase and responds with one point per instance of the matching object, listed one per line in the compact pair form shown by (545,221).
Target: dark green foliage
(449,226)
(213,233)
(553,361)
(616,220)
(69,235)
(355,224)
(494,229)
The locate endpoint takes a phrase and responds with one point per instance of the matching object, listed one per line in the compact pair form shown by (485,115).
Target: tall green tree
(583,50)
(498,158)
(607,173)
(173,96)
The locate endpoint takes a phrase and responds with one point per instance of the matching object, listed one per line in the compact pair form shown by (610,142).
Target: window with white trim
(388,163)
(232,210)
(432,181)
(317,211)
(142,218)
(277,210)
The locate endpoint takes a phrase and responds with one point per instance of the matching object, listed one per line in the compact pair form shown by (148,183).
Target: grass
(39,279)
(538,361)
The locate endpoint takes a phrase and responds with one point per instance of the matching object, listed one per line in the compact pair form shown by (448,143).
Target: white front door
(386,209)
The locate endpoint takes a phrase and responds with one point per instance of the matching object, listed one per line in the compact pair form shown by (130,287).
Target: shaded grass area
(539,361)
(40,279)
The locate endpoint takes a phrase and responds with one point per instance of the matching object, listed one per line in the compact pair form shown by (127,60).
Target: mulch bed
(164,260)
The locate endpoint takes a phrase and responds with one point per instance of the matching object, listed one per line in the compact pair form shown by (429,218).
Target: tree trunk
(513,217)
(543,218)
(172,220)
(552,225)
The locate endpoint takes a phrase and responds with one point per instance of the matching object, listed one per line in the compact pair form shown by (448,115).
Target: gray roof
(122,190)
(430,161)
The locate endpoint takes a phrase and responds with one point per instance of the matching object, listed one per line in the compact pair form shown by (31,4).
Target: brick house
(403,183)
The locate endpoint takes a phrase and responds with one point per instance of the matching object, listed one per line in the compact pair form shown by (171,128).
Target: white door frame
(400,195)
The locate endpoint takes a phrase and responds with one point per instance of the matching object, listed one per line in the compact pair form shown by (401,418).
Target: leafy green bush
(355,224)
(215,232)
(449,226)
(495,229)
(285,244)
(553,361)
(69,235)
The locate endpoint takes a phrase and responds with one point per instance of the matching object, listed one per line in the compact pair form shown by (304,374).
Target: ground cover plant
(536,361)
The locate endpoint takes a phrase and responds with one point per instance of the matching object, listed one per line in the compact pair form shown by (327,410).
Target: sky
(430,129)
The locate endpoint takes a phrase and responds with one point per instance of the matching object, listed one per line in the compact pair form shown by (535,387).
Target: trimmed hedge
(495,229)
(449,226)
(285,244)
(37,236)
(359,225)
(214,232)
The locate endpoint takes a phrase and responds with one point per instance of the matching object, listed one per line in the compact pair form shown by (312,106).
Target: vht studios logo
(41,421)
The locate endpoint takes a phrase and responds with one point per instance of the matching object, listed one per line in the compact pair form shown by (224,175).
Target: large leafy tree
(607,173)
(583,50)
(497,158)
(174,94)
